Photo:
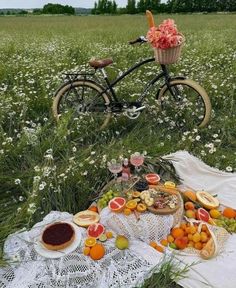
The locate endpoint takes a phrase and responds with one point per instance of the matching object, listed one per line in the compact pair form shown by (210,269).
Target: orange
(153,244)
(90,242)
(86,251)
(109,234)
(183,225)
(191,230)
(93,208)
(190,236)
(127,211)
(190,195)
(189,205)
(141,207)
(131,204)
(164,242)
(198,246)
(229,213)
(170,239)
(204,227)
(190,244)
(159,248)
(215,213)
(196,237)
(204,237)
(177,232)
(97,252)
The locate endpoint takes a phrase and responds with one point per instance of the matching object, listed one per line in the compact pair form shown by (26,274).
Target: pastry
(58,236)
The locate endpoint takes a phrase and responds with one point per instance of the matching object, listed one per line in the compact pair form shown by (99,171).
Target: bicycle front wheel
(83,102)
(185,103)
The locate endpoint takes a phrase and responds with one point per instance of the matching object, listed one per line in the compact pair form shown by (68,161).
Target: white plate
(43,251)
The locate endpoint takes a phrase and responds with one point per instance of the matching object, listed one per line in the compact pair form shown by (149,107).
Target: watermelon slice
(203,215)
(117,204)
(95,230)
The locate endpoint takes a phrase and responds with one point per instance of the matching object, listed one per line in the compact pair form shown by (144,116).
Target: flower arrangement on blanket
(165,36)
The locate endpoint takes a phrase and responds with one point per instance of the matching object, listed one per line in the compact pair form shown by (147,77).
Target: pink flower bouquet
(163,38)
(165,35)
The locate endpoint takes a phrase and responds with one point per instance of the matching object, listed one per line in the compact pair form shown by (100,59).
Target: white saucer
(43,251)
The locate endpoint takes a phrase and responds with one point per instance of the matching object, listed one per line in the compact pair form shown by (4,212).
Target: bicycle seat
(100,63)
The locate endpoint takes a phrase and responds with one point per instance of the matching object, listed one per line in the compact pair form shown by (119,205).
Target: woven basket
(168,56)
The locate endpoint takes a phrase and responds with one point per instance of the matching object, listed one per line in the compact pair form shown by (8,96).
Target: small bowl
(152,178)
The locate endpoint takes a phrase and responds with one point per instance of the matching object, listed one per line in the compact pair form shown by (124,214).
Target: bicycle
(84,94)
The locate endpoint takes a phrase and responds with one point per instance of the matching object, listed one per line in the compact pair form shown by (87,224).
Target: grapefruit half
(117,204)
(95,230)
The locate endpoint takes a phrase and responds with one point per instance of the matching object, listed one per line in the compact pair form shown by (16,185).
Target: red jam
(58,233)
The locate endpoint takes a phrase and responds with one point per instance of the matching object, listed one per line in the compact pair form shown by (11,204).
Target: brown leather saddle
(100,63)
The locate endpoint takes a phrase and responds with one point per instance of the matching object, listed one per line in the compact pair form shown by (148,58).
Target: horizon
(24,4)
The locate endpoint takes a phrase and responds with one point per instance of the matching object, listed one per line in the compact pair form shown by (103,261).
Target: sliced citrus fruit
(141,207)
(136,194)
(102,238)
(86,251)
(127,211)
(131,204)
(169,184)
(90,242)
(95,230)
(117,204)
(152,178)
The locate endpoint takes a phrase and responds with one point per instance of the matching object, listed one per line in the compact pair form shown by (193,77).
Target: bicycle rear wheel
(186,103)
(83,102)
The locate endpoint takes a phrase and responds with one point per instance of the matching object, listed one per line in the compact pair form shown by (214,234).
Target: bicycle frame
(110,85)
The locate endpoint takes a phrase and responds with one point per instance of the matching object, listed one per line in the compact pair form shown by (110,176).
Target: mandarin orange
(229,212)
(97,252)
(177,232)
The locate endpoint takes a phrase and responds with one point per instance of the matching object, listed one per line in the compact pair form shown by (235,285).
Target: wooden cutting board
(166,210)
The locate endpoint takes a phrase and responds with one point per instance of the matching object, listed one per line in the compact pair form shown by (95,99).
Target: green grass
(56,164)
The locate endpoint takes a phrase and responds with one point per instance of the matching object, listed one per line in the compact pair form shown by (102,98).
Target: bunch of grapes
(228,224)
(103,201)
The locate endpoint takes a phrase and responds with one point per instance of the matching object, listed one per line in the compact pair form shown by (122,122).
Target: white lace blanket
(127,268)
(130,267)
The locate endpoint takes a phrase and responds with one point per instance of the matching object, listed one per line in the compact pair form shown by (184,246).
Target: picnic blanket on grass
(219,271)
(128,268)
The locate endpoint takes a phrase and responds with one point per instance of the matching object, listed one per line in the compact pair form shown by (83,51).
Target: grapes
(228,224)
(103,201)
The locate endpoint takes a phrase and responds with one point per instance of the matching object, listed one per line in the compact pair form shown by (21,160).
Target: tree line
(172,6)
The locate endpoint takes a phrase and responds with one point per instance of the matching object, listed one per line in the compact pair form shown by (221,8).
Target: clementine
(164,242)
(93,208)
(159,248)
(86,251)
(229,213)
(97,252)
(153,244)
(190,195)
(109,234)
(177,232)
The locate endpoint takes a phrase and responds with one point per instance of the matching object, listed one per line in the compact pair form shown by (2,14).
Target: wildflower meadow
(47,166)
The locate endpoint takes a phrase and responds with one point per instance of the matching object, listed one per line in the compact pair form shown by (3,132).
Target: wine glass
(115,167)
(137,160)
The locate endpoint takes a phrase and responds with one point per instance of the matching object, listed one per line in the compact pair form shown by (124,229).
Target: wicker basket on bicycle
(169,55)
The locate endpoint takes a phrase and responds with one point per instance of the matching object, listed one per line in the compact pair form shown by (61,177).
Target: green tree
(131,7)
(141,6)
(57,9)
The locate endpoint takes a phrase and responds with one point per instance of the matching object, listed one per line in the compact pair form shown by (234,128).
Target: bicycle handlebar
(140,39)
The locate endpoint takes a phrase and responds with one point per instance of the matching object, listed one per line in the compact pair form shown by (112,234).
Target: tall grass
(44,166)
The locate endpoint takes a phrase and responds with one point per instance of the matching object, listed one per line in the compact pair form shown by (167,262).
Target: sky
(40,3)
